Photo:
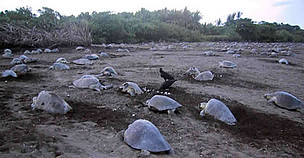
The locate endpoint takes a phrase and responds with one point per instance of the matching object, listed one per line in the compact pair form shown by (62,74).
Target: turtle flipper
(301,109)
(132,92)
(94,87)
(170,112)
(272,100)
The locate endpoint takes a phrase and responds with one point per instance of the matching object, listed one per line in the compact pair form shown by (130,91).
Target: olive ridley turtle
(50,102)
(7,73)
(236,55)
(209,53)
(91,82)
(47,50)
(59,66)
(92,56)
(218,110)
(104,55)
(16,61)
(192,71)
(144,135)
(205,76)
(82,62)
(109,71)
(162,103)
(79,48)
(62,60)
(283,61)
(227,64)
(131,88)
(20,69)
(285,100)
(23,59)
(7,53)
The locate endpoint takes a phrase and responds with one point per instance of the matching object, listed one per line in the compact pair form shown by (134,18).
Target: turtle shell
(30,60)
(104,55)
(192,71)
(62,60)
(7,73)
(23,57)
(16,61)
(55,50)
(80,48)
(283,61)
(227,64)
(82,62)
(20,69)
(131,88)
(47,50)
(59,66)
(285,100)
(236,55)
(92,56)
(51,103)
(204,76)
(27,52)
(219,111)
(7,55)
(209,53)
(161,103)
(230,52)
(86,82)
(109,71)
(143,135)
(7,51)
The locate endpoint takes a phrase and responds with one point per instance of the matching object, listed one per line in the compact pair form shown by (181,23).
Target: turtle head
(192,71)
(34,104)
(268,96)
(202,106)
(124,87)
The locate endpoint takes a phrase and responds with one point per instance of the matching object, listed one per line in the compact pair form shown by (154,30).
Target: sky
(280,11)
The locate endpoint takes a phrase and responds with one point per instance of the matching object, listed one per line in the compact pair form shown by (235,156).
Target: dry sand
(95,125)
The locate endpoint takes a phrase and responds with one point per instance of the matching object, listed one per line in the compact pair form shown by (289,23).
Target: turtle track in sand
(187,132)
(15,131)
(105,117)
(230,79)
(258,129)
(29,77)
(276,61)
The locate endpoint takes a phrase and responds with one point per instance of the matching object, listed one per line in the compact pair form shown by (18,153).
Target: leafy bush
(143,26)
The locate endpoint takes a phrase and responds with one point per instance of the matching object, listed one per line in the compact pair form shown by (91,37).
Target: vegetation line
(24,28)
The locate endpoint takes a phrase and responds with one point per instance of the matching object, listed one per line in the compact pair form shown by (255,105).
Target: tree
(246,29)
(238,15)
(48,19)
(218,22)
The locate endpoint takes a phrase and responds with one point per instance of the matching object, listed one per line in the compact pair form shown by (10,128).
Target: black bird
(166,84)
(165,75)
